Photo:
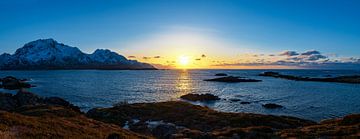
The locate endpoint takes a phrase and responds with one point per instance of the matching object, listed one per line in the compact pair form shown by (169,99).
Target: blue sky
(261,26)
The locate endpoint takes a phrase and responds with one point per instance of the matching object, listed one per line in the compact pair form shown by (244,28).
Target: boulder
(200,97)
(272,106)
(27,98)
(13,83)
(221,74)
(232,79)
(56,101)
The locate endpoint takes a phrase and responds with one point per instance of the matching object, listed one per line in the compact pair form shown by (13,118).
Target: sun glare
(184,61)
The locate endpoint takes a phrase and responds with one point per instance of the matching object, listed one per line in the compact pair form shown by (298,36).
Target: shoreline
(173,119)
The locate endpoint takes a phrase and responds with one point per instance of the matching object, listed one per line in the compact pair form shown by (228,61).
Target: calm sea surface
(94,88)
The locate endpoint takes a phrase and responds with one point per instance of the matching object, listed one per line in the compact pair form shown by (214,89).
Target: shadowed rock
(235,100)
(12,83)
(200,97)
(221,74)
(232,79)
(341,79)
(11,102)
(272,106)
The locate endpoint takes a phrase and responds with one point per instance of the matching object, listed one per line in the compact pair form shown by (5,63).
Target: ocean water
(101,88)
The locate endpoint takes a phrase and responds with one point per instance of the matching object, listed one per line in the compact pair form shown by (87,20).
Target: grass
(50,122)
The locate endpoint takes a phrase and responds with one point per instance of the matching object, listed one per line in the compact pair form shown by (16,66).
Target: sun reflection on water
(183,83)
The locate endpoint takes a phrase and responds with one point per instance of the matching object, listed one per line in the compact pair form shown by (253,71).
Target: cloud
(315,57)
(198,59)
(146,58)
(131,56)
(288,53)
(203,56)
(311,52)
(308,59)
(157,56)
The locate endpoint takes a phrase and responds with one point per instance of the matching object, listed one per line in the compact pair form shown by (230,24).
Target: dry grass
(45,125)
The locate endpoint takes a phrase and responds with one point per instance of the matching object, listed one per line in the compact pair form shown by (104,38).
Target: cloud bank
(311,59)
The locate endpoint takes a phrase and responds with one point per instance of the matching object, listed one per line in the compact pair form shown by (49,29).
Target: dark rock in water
(272,106)
(269,73)
(164,131)
(200,97)
(234,100)
(27,98)
(221,74)
(7,103)
(244,102)
(232,79)
(341,79)
(13,83)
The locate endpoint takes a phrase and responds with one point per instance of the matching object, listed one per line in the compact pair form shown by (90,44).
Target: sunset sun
(184,61)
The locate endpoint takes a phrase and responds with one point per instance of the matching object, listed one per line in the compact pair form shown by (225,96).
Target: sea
(103,88)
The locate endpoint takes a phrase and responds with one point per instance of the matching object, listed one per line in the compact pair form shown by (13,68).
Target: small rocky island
(200,97)
(341,79)
(27,115)
(232,79)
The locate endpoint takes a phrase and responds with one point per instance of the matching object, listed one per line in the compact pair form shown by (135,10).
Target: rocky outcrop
(13,83)
(232,79)
(200,97)
(221,74)
(26,115)
(272,106)
(192,121)
(341,79)
(346,127)
(23,98)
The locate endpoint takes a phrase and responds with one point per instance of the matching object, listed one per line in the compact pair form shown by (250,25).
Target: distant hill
(48,54)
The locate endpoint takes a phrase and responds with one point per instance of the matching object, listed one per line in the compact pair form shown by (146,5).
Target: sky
(195,33)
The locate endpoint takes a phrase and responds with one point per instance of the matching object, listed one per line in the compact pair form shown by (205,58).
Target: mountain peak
(49,54)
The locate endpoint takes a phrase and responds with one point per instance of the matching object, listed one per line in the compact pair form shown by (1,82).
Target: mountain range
(48,54)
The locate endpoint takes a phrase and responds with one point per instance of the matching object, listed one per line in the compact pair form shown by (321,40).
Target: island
(355,79)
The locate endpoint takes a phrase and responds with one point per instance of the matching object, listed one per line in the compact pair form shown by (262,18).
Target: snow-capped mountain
(49,54)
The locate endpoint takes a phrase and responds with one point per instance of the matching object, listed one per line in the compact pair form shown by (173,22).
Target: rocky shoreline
(26,115)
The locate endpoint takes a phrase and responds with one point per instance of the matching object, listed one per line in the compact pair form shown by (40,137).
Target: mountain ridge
(48,54)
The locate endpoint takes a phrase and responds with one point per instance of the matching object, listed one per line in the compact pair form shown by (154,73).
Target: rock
(221,74)
(272,106)
(244,102)
(164,131)
(27,98)
(234,100)
(60,102)
(341,79)
(232,79)
(269,73)
(200,97)
(351,119)
(13,83)
(7,102)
